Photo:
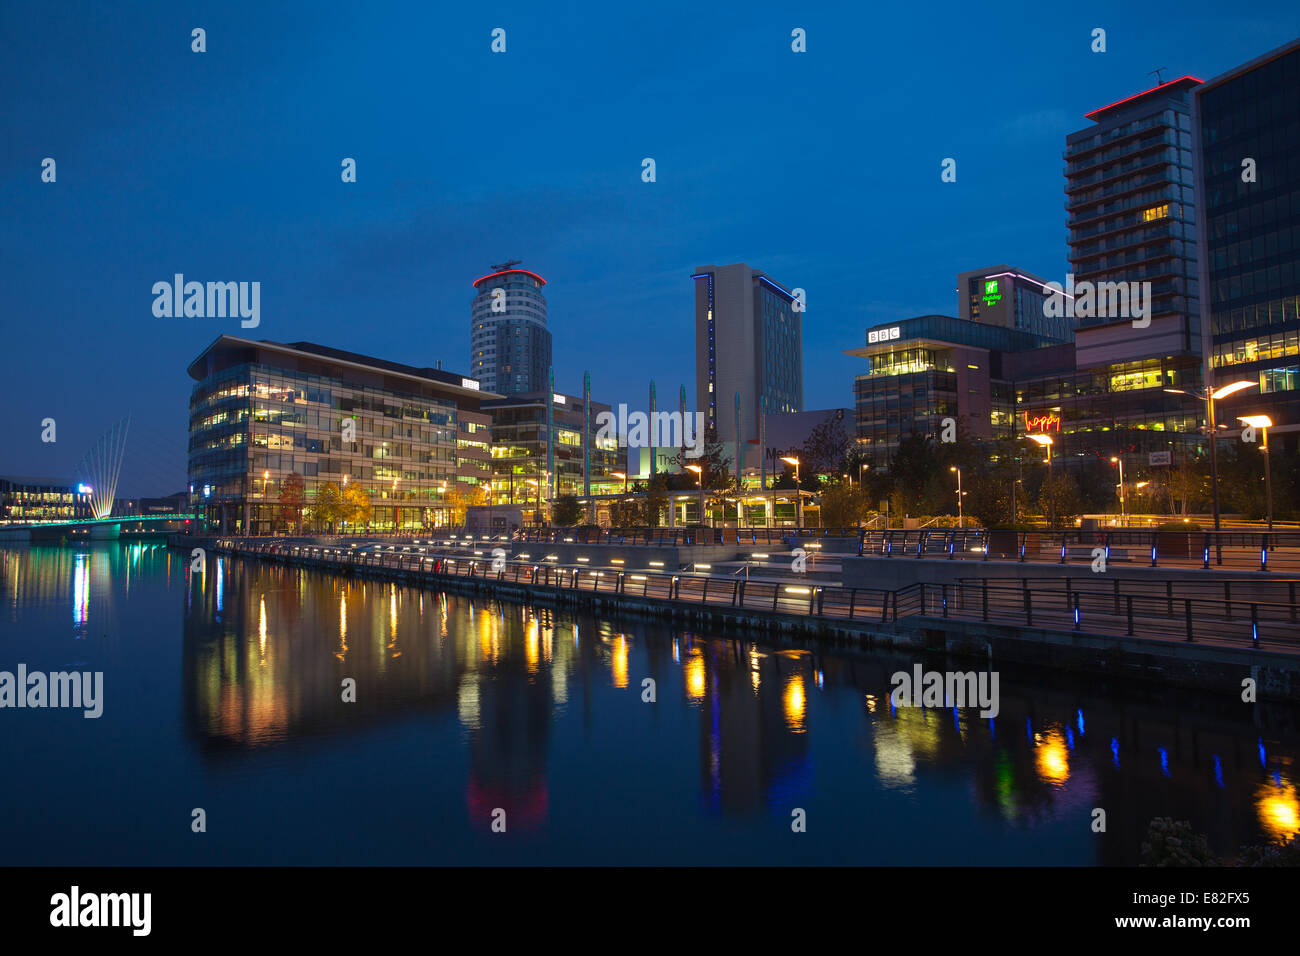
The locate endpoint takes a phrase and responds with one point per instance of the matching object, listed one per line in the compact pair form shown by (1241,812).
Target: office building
(262,412)
(520,448)
(1011,299)
(25,500)
(748,340)
(510,346)
(1131,216)
(1248,124)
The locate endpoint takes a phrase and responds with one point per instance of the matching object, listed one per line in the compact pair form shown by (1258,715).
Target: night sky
(821,168)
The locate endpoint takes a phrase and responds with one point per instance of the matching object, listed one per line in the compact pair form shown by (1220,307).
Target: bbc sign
(882,335)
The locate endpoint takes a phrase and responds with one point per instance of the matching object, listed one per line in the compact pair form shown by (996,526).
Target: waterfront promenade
(1201,629)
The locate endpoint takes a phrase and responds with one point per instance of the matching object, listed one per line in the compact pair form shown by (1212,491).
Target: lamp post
(619,474)
(1046,442)
(1263,423)
(798,492)
(961,521)
(699,472)
(1209,398)
(1138,490)
(1120,462)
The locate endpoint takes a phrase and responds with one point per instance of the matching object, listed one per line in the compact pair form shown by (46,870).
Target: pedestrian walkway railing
(1236,550)
(1231,619)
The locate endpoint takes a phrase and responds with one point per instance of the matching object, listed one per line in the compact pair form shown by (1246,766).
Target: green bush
(1172,842)
(1179,526)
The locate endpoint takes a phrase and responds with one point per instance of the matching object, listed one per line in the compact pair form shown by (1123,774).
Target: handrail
(1232,619)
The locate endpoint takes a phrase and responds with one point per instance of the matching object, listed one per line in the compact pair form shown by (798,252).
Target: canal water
(223,692)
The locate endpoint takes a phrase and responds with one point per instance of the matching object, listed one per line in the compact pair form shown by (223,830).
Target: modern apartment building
(1130,202)
(748,340)
(262,412)
(510,345)
(1248,126)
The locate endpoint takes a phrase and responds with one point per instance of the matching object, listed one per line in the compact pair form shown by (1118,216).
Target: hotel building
(510,346)
(748,340)
(262,411)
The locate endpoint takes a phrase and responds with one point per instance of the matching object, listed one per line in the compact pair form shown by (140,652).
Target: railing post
(1077,619)
(1227,599)
(1129,602)
(986,598)
(1155,541)
(1116,583)
(1029,607)
(945,600)
(1205,553)
(1187,604)
(1254,624)
(853,599)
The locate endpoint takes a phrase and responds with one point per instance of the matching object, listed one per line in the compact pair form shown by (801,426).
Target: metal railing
(1240,550)
(1235,619)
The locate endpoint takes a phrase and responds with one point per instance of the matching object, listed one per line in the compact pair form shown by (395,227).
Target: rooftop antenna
(508,264)
(1160,80)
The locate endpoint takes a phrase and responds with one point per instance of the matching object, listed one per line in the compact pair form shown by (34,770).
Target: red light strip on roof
(507,272)
(1103,109)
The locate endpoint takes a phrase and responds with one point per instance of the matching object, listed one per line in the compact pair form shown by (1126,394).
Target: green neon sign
(992,296)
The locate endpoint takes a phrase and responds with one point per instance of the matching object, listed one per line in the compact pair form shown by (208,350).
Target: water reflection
(542,716)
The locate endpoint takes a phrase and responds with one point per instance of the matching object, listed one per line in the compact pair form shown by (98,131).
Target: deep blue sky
(821,168)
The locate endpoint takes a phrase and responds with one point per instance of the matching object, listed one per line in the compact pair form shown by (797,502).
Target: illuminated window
(1155,212)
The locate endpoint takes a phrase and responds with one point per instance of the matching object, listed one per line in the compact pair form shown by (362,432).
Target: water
(222,691)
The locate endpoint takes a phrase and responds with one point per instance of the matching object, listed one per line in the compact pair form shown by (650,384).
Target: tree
(915,464)
(988,495)
(843,505)
(291,499)
(826,448)
(566,511)
(459,498)
(327,508)
(626,514)
(356,505)
(1060,493)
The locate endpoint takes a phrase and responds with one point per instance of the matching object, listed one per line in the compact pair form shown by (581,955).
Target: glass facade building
(1248,122)
(510,346)
(261,412)
(519,448)
(1131,216)
(28,500)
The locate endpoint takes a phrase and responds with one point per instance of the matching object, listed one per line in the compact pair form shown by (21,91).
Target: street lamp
(1263,423)
(798,492)
(700,473)
(1209,398)
(619,474)
(1046,442)
(961,522)
(1120,462)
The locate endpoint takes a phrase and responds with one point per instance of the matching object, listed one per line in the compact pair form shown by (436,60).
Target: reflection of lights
(80,593)
(871,703)
(532,645)
(695,676)
(1278,809)
(618,661)
(794,703)
(343,627)
(261,629)
(1114,750)
(1052,758)
(1164,760)
(1218,771)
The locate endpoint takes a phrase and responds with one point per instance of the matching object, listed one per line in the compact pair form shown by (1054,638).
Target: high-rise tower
(510,346)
